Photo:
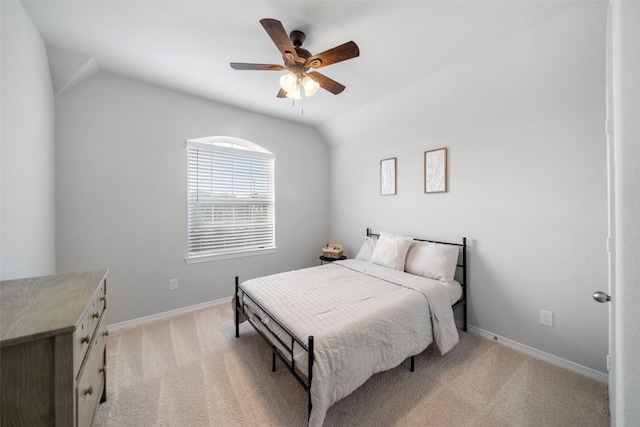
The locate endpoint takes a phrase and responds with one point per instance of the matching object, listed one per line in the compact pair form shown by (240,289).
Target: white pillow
(366,250)
(391,250)
(432,260)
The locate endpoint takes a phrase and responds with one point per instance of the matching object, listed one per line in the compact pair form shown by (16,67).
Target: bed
(335,325)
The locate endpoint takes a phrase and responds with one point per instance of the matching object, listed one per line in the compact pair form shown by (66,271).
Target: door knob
(601,297)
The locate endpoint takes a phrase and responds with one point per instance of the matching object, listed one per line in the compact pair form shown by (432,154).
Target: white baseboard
(554,360)
(167,314)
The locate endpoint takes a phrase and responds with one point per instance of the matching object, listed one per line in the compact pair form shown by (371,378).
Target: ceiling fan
(299,61)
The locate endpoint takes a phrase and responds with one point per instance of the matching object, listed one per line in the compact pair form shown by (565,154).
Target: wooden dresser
(53,349)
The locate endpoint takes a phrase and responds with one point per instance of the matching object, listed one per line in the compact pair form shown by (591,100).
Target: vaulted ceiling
(188,45)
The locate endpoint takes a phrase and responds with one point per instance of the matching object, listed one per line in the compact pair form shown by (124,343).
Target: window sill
(206,258)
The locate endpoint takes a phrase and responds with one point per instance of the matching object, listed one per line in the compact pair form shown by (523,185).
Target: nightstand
(324,259)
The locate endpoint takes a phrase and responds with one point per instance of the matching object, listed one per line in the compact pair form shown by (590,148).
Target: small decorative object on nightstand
(330,253)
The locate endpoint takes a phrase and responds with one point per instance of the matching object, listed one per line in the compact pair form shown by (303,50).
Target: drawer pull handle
(103,298)
(102,370)
(88,390)
(105,333)
(96,315)
(85,339)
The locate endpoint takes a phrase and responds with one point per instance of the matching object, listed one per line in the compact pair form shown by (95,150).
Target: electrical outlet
(546,318)
(173,284)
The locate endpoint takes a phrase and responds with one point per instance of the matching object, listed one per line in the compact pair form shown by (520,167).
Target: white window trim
(219,142)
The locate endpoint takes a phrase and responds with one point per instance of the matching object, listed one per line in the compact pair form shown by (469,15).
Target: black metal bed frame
(308,347)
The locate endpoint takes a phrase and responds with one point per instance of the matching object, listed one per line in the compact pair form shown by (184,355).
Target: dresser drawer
(92,377)
(81,340)
(102,296)
(96,307)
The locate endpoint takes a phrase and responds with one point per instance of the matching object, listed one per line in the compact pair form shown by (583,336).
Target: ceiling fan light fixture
(310,86)
(294,94)
(289,82)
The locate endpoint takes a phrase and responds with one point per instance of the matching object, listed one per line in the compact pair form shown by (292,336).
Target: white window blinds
(231,204)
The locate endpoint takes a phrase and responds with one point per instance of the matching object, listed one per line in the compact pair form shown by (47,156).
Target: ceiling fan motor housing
(297,37)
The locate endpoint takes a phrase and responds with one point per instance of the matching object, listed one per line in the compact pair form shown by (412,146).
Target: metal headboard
(462,263)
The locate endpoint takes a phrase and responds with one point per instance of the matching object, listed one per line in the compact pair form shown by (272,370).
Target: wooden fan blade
(245,66)
(339,53)
(282,93)
(280,38)
(326,83)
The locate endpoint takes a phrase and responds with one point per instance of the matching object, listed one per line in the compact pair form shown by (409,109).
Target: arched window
(231,199)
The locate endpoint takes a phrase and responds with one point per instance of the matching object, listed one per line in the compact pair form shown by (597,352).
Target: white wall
(121,192)
(27,232)
(626,294)
(524,125)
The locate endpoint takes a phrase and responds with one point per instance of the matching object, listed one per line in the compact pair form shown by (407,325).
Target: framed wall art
(388,176)
(435,171)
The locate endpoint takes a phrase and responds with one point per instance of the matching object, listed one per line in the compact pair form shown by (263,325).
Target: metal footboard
(288,346)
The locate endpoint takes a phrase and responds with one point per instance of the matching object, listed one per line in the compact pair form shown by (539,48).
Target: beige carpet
(190,370)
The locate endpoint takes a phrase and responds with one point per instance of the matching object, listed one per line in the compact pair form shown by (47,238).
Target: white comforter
(379,319)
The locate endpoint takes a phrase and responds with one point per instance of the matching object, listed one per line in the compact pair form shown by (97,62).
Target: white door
(608,296)
(623,148)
